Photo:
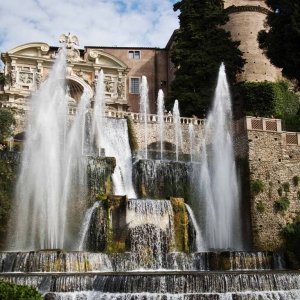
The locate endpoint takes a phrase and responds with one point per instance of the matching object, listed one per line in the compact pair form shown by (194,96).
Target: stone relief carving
(26,78)
(13,76)
(73,54)
(38,78)
(121,88)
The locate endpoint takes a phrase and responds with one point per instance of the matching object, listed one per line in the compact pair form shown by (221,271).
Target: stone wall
(169,136)
(274,161)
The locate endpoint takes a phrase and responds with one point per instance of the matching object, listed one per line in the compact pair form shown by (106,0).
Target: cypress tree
(200,45)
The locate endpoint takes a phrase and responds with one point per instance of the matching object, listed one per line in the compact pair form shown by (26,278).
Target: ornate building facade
(28,65)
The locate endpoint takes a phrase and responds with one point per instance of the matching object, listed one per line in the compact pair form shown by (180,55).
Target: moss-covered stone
(181,224)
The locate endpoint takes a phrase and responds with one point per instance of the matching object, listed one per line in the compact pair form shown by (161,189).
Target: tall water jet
(160,117)
(177,128)
(144,110)
(218,177)
(38,217)
(99,112)
(74,184)
(191,140)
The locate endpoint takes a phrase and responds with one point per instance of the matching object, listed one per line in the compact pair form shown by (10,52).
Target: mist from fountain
(218,179)
(177,128)
(161,122)
(144,110)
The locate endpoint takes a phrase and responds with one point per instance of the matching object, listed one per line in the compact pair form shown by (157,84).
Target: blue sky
(95,22)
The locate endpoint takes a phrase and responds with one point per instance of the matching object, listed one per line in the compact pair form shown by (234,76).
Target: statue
(120,88)
(72,53)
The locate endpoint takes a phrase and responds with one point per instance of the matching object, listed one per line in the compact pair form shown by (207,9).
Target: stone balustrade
(152,118)
(269,125)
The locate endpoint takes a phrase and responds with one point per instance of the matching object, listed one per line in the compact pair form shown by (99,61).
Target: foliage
(261,207)
(282,204)
(7,181)
(291,233)
(257,186)
(267,99)
(7,120)
(280,191)
(296,180)
(292,123)
(10,291)
(200,45)
(281,42)
(131,135)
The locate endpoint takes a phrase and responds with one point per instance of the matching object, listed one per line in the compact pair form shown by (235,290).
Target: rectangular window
(134,85)
(134,54)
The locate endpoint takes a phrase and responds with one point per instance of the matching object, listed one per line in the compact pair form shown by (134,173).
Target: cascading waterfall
(177,128)
(85,226)
(161,122)
(144,110)
(200,245)
(116,141)
(150,223)
(218,178)
(112,135)
(39,209)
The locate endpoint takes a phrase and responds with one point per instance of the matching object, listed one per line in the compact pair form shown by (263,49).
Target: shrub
(282,204)
(10,291)
(280,191)
(7,121)
(268,99)
(257,186)
(131,135)
(261,207)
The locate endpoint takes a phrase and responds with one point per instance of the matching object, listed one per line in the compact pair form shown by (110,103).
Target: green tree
(282,41)
(200,45)
(7,121)
(11,291)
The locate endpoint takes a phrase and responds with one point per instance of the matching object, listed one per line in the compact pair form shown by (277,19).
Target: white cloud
(95,22)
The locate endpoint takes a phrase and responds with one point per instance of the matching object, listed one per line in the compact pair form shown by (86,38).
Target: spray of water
(144,110)
(161,122)
(177,128)
(191,140)
(218,180)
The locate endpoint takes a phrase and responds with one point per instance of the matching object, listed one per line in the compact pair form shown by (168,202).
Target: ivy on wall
(269,99)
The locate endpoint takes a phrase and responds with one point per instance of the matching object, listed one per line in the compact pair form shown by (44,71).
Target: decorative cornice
(237,9)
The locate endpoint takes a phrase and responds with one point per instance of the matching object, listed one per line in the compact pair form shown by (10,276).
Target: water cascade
(112,136)
(177,128)
(200,245)
(116,141)
(144,110)
(218,178)
(161,122)
(85,226)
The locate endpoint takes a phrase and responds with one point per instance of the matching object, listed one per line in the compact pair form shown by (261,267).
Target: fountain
(144,110)
(177,128)
(161,121)
(143,241)
(218,180)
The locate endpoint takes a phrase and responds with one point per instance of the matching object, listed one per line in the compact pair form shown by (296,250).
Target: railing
(152,118)
(270,125)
